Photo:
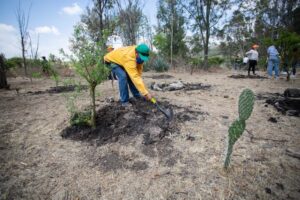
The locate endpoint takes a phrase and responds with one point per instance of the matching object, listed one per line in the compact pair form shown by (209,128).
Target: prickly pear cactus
(246,102)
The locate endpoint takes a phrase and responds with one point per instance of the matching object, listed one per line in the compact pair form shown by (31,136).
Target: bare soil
(136,153)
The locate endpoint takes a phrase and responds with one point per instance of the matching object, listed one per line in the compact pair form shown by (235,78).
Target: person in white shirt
(253,58)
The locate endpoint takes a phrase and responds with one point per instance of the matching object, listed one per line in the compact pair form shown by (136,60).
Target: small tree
(23,20)
(88,62)
(3,81)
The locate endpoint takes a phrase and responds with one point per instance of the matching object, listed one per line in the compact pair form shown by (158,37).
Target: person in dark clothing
(253,58)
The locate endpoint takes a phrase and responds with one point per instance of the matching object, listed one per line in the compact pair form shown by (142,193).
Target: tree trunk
(3,80)
(93,116)
(23,56)
(172,32)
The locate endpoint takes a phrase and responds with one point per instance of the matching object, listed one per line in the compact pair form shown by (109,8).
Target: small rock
(280,186)
(191,138)
(224,116)
(226,96)
(272,119)
(268,190)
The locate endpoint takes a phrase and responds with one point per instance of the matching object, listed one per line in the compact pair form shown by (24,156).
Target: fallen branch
(259,138)
(292,154)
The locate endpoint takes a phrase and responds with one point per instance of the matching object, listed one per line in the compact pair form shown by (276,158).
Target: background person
(273,61)
(127,64)
(253,58)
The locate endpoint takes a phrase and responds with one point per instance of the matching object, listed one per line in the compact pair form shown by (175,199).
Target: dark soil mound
(162,76)
(60,89)
(239,76)
(287,103)
(116,123)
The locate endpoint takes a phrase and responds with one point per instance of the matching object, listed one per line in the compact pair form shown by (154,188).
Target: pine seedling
(246,102)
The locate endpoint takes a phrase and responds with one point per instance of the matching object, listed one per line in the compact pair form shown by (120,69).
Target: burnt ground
(60,89)
(118,124)
(123,126)
(288,103)
(241,76)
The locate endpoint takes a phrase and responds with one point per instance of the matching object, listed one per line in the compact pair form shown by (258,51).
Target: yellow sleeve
(136,77)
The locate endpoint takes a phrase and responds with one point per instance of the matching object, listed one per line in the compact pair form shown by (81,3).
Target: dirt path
(37,163)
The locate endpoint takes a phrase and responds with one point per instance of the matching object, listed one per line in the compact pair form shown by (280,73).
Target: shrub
(36,75)
(14,62)
(156,63)
(215,61)
(81,118)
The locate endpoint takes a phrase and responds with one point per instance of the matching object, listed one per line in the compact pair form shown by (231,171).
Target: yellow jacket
(126,57)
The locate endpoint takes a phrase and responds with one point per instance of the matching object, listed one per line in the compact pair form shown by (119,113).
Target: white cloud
(7,28)
(9,41)
(47,29)
(72,10)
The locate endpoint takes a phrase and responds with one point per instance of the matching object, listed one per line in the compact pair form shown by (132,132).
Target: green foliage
(36,75)
(71,100)
(171,30)
(160,65)
(215,61)
(55,77)
(87,59)
(246,102)
(161,43)
(14,62)
(156,63)
(197,62)
(81,118)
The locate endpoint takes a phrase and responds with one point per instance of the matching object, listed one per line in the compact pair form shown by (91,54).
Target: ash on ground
(287,103)
(118,124)
(179,85)
(60,89)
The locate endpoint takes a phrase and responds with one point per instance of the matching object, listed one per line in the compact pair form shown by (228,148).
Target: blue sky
(52,20)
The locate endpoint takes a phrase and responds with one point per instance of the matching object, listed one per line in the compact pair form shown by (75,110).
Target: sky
(51,20)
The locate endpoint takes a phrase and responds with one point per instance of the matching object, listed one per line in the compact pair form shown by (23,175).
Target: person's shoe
(126,105)
(277,78)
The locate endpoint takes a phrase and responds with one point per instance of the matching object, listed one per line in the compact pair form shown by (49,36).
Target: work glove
(148,96)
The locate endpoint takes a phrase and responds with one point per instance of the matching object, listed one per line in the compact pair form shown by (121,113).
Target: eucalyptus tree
(99,17)
(171,28)
(206,19)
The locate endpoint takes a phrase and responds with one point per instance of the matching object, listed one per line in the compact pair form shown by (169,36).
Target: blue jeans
(124,81)
(273,62)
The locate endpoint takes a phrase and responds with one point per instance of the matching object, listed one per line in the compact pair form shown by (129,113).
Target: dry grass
(36,163)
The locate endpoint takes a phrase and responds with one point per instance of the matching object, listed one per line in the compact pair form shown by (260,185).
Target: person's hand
(148,96)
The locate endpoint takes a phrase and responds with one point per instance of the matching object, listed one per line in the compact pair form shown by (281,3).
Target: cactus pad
(246,102)
(235,130)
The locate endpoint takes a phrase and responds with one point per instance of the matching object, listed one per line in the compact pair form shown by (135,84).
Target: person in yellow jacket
(127,64)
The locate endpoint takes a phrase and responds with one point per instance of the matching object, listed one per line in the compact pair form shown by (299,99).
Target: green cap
(143,51)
